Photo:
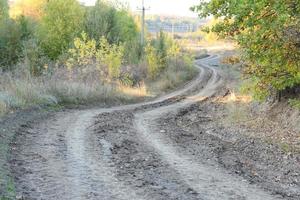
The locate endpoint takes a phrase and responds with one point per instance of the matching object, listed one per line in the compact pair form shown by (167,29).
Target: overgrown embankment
(268,36)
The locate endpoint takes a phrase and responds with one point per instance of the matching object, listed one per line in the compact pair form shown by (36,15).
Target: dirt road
(124,153)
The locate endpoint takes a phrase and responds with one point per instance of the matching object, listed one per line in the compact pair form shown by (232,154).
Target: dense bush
(157,53)
(51,26)
(34,58)
(61,22)
(10,44)
(105,58)
(116,25)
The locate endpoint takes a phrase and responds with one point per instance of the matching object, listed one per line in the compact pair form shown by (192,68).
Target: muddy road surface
(124,153)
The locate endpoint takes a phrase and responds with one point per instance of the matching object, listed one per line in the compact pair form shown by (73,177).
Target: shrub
(116,25)
(10,44)
(111,56)
(34,57)
(61,23)
(152,61)
(105,20)
(100,21)
(83,53)
(13,35)
(107,58)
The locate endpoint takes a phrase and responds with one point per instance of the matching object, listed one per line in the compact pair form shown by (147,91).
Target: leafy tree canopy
(268,32)
(115,24)
(61,22)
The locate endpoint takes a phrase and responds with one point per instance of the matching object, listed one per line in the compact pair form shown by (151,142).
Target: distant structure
(172,28)
(172,24)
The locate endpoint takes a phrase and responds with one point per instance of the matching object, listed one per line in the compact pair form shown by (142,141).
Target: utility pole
(143,23)
(143,9)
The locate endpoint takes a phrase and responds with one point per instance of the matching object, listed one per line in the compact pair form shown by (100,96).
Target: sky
(162,7)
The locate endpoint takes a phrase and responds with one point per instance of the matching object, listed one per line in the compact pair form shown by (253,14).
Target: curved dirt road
(121,153)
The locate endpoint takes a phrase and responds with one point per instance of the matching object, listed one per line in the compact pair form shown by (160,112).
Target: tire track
(62,158)
(209,182)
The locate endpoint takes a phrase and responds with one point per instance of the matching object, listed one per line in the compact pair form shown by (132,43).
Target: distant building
(173,24)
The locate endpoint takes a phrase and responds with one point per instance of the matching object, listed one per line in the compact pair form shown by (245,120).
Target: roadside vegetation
(267,33)
(62,53)
(267,99)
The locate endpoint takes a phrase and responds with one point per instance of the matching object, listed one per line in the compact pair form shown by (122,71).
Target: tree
(13,33)
(156,54)
(162,50)
(104,19)
(126,27)
(10,44)
(100,21)
(116,24)
(61,23)
(268,33)
(3,10)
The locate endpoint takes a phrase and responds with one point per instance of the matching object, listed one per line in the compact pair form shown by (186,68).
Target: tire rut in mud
(136,163)
(234,149)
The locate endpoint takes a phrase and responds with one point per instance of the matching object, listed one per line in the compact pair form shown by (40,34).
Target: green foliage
(111,56)
(152,61)
(116,25)
(156,53)
(48,29)
(26,27)
(34,57)
(10,43)
(126,27)
(162,50)
(60,24)
(107,58)
(268,34)
(295,103)
(100,21)
(83,53)
(13,35)
(179,70)
(134,52)
(127,80)
(3,10)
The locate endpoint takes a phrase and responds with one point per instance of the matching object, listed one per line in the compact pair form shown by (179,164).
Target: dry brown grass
(277,124)
(19,90)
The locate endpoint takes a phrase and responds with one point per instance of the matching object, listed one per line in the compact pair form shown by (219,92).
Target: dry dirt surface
(150,150)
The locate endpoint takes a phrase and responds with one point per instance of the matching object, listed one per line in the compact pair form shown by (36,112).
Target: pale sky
(166,7)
